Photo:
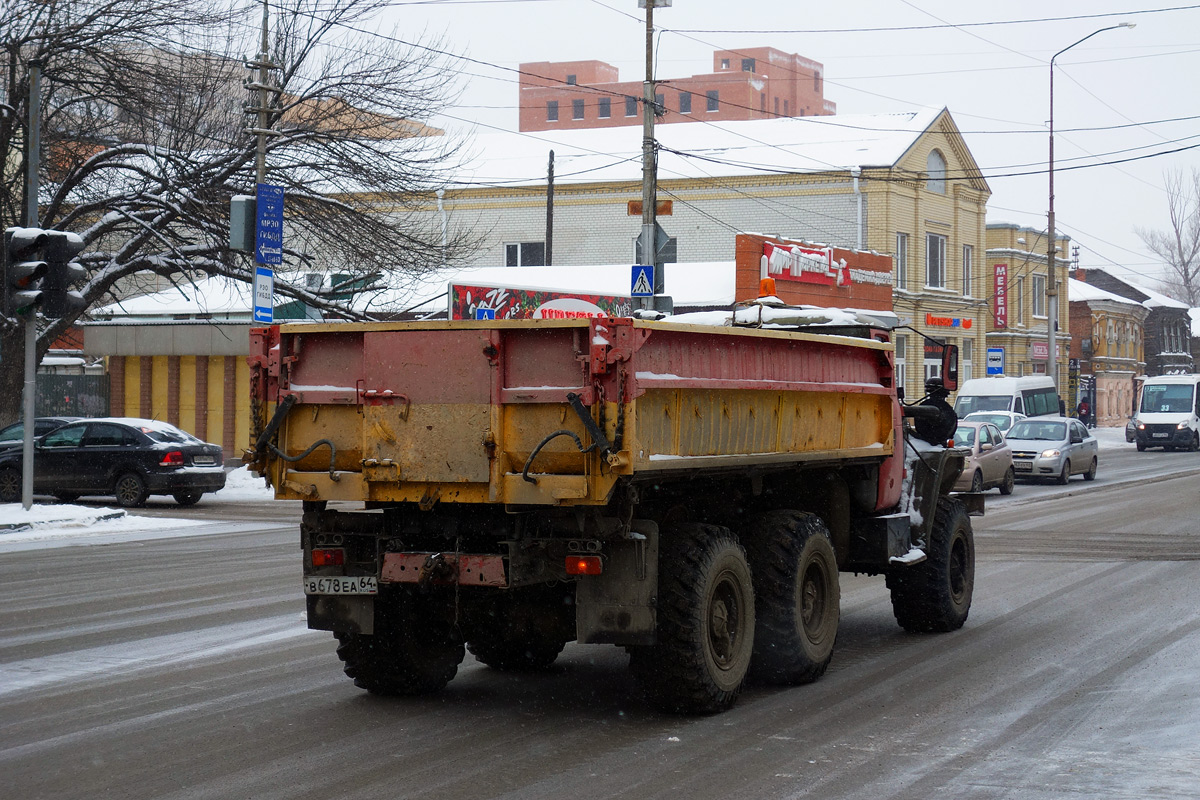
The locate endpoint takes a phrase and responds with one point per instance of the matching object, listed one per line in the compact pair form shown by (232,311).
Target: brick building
(1106,339)
(1168,348)
(1015,288)
(755,83)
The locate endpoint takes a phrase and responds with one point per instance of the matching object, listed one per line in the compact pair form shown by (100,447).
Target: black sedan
(129,458)
(15,433)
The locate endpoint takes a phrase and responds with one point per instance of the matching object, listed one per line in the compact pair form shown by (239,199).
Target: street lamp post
(1051,249)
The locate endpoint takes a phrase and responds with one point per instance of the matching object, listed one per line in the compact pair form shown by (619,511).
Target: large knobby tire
(797,596)
(413,651)
(705,622)
(934,596)
(525,630)
(1009,482)
(130,490)
(10,485)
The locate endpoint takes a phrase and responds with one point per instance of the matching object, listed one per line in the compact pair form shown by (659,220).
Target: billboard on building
(1000,296)
(510,302)
(813,274)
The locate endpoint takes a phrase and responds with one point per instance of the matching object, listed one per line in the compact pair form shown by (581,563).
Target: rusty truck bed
(497,412)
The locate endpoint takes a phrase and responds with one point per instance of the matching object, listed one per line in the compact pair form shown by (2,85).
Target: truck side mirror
(950,367)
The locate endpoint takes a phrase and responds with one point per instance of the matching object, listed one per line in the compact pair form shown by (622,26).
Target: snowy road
(180,667)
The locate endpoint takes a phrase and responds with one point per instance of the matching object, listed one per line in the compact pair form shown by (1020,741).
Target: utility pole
(32,161)
(264,119)
(549,259)
(649,171)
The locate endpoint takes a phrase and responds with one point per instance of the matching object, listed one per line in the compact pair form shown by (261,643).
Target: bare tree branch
(1179,247)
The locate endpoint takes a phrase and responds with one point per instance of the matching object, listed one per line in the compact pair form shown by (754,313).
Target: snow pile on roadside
(51,520)
(242,484)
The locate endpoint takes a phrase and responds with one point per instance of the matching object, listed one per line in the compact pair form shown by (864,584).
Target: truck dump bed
(555,412)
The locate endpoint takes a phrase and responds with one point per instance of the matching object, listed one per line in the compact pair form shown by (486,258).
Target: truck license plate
(334,584)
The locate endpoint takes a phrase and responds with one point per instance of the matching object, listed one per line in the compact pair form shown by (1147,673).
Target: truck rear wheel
(525,631)
(705,622)
(413,650)
(796,596)
(935,595)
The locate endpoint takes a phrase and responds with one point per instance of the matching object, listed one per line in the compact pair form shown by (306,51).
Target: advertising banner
(813,274)
(1000,296)
(508,302)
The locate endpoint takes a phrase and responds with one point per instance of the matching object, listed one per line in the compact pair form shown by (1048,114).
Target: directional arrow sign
(268,229)
(264,295)
(641,282)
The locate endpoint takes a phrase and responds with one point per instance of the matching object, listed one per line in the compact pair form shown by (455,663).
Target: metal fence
(71,396)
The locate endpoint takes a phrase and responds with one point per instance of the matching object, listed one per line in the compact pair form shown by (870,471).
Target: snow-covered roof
(212,296)
(1079,290)
(1194,313)
(692,284)
(717,149)
(1157,299)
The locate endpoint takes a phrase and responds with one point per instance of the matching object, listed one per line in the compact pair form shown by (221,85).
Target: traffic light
(24,270)
(58,300)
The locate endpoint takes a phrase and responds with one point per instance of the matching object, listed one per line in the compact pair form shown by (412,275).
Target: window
(762,102)
(902,260)
(968,255)
(935,169)
(968,359)
(748,65)
(714,99)
(525,254)
(552,111)
(660,105)
(1021,300)
(631,106)
(1038,301)
(901,358)
(777,106)
(571,80)
(685,102)
(724,63)
(816,81)
(786,109)
(604,107)
(576,109)
(935,260)
(104,435)
(933,360)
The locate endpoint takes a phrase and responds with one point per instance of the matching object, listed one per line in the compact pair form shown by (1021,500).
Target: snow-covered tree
(145,140)
(1179,247)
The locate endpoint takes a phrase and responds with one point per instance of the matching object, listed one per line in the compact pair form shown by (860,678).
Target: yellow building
(1016,278)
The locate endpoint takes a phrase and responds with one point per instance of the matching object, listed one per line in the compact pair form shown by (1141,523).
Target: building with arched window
(1107,343)
(1167,326)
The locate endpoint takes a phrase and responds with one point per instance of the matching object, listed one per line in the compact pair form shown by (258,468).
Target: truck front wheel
(414,650)
(796,594)
(935,595)
(705,622)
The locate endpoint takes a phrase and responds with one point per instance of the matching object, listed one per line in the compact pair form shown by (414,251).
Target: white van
(1169,413)
(1033,396)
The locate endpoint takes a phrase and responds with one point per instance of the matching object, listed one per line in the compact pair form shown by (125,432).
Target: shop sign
(935,321)
(1000,296)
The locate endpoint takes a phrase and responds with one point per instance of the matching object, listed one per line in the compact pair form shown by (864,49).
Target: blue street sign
(268,227)
(641,281)
(485,313)
(995,361)
(264,295)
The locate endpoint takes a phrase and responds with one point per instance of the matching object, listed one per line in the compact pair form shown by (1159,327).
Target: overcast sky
(1122,84)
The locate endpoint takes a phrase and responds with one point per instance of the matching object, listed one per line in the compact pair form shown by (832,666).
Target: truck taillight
(172,459)
(584,565)
(328,557)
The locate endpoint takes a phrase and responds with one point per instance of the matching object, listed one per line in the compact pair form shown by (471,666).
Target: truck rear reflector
(328,557)
(584,565)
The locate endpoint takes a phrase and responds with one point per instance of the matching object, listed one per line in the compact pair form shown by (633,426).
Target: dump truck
(688,492)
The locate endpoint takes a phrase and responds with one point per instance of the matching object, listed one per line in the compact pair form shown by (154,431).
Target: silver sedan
(1053,447)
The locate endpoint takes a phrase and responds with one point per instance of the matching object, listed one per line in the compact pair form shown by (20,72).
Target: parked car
(1001,419)
(1053,447)
(15,433)
(989,460)
(128,458)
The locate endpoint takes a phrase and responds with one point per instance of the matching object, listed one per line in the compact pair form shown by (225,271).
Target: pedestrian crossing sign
(642,281)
